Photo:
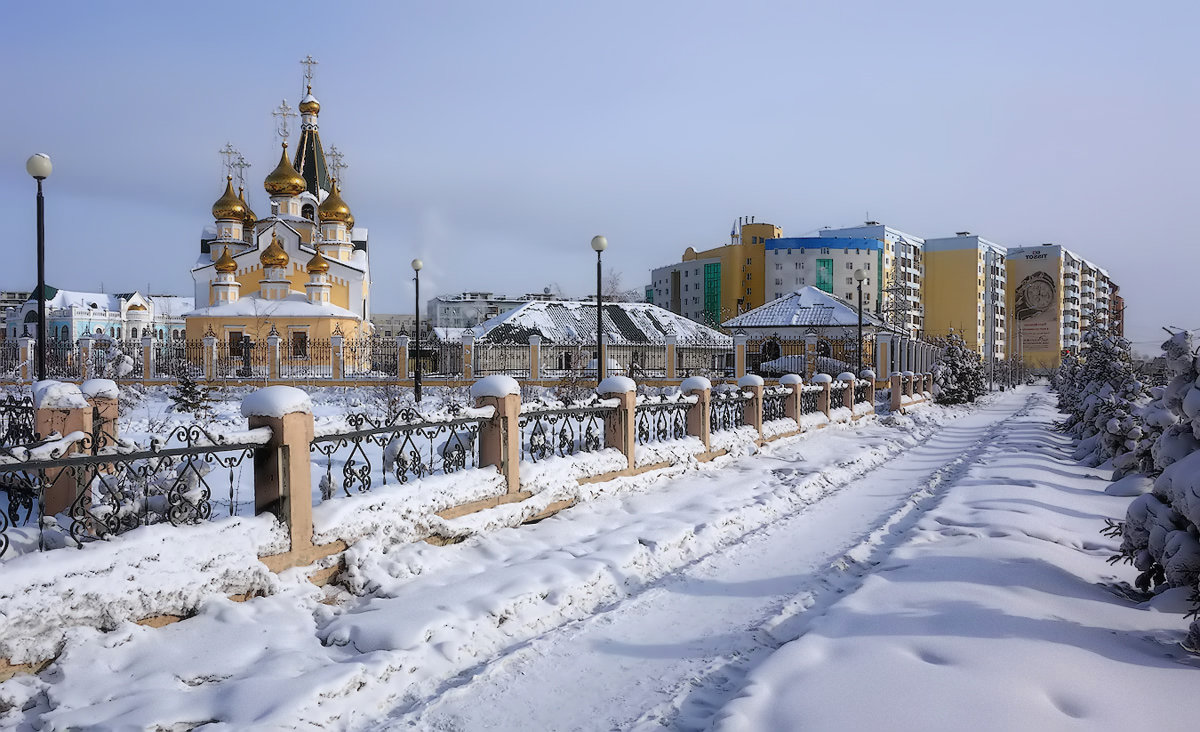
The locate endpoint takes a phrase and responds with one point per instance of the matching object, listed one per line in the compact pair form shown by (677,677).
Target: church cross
(240,164)
(309,62)
(336,164)
(282,113)
(228,152)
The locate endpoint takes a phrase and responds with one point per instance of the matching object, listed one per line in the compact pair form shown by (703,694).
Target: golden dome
(333,208)
(273,255)
(318,264)
(310,105)
(225,262)
(228,206)
(284,180)
(248,219)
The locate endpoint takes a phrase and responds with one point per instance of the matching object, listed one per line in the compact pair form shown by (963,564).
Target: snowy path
(673,653)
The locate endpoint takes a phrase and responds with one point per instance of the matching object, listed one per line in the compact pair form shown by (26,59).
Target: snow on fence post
(337,365)
(847,379)
(60,408)
(753,410)
(810,355)
(101,395)
(869,376)
(619,424)
(698,413)
(908,383)
(282,472)
(535,357)
(897,390)
(500,436)
(401,357)
(85,358)
(273,354)
(823,398)
(791,405)
(739,355)
(468,355)
(147,358)
(671,344)
(883,354)
(210,357)
(25,343)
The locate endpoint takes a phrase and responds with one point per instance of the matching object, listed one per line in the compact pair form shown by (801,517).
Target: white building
(691,289)
(469,309)
(70,315)
(903,268)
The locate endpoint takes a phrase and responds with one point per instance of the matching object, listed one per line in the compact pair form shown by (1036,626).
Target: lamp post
(859,277)
(599,244)
(38,166)
(416,265)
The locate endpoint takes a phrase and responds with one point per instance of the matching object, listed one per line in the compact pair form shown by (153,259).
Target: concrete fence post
(282,472)
(908,383)
(273,355)
(848,381)
(85,358)
(26,346)
(337,361)
(61,408)
(897,387)
(468,355)
(752,413)
(869,376)
(810,355)
(401,357)
(500,436)
(824,380)
(210,357)
(619,425)
(102,395)
(739,355)
(535,357)
(147,359)
(672,346)
(698,424)
(883,354)
(791,405)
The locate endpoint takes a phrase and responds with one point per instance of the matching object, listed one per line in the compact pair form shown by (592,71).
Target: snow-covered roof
(172,306)
(84,300)
(295,305)
(806,307)
(564,321)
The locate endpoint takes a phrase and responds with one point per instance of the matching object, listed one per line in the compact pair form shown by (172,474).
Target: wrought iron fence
(438,358)
(548,433)
(16,421)
(699,359)
(116,488)
(862,392)
(808,398)
(62,360)
(370,358)
(407,448)
(775,403)
(776,356)
(112,359)
(567,360)
(242,360)
(501,358)
(638,360)
(727,411)
(10,358)
(309,359)
(173,359)
(659,419)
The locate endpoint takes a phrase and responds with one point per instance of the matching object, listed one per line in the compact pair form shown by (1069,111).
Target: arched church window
(309,212)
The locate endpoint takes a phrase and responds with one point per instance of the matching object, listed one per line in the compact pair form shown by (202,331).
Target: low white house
(71,315)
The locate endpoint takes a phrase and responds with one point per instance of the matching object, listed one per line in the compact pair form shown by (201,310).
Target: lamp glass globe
(417,265)
(599,243)
(38,165)
(859,275)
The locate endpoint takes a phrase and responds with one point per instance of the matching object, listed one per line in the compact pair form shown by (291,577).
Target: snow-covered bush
(1102,397)
(958,374)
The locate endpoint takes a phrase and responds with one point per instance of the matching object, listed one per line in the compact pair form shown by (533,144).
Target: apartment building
(468,309)
(903,269)
(965,285)
(827,263)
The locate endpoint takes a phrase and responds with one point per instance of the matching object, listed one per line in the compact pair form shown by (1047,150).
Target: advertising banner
(1037,302)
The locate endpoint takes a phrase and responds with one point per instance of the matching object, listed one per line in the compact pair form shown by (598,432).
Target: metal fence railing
(548,433)
(661,419)
(501,358)
(173,359)
(727,410)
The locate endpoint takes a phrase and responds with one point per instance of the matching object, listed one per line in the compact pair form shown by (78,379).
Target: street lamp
(859,276)
(416,265)
(38,166)
(599,244)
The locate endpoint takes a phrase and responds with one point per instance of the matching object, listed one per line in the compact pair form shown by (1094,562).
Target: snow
(100,389)
(774,427)
(791,379)
(295,305)
(616,385)
(846,376)
(822,379)
(678,452)
(695,383)
(805,307)
(51,394)
(496,385)
(276,401)
(867,375)
(750,380)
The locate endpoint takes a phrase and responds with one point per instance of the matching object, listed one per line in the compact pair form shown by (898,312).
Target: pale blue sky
(493,139)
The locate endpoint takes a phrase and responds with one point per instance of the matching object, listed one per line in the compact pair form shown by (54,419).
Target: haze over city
(493,140)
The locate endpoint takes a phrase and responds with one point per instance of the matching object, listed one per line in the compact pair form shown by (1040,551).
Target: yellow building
(301,272)
(965,281)
(716,284)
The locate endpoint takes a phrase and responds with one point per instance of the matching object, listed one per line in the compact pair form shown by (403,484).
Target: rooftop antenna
(281,115)
(228,153)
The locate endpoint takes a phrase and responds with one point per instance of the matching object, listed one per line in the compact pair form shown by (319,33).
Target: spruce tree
(189,396)
(958,374)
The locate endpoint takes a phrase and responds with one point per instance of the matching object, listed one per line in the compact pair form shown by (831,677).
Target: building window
(825,250)
(849,265)
(849,280)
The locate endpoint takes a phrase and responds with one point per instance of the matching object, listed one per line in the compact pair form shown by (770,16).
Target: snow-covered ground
(927,571)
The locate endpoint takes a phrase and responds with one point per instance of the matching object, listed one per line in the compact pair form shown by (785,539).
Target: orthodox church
(301,271)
